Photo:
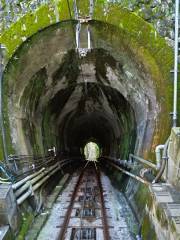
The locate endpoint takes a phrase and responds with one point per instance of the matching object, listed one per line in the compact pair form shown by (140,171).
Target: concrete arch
(150,51)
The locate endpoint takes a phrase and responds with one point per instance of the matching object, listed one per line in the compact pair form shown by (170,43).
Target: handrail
(146,162)
(25,187)
(140,179)
(131,157)
(18,167)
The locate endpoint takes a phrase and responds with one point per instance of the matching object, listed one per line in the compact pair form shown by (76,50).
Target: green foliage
(26,223)
(148,232)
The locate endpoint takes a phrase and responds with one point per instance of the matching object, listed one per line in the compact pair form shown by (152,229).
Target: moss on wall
(147,231)
(139,30)
(144,42)
(27,220)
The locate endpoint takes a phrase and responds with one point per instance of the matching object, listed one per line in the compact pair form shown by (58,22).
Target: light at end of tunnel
(91,151)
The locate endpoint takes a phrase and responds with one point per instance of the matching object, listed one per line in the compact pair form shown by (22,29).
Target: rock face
(157,12)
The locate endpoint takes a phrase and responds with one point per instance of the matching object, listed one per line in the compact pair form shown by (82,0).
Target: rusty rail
(103,209)
(105,227)
(68,213)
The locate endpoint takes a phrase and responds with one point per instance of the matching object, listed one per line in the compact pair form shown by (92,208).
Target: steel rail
(82,209)
(103,209)
(68,213)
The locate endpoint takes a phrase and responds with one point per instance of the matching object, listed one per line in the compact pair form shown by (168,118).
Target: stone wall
(159,13)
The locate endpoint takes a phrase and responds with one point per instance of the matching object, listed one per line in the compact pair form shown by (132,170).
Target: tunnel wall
(146,45)
(133,90)
(28,91)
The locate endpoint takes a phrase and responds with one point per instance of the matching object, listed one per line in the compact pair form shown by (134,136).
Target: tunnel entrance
(63,100)
(91,89)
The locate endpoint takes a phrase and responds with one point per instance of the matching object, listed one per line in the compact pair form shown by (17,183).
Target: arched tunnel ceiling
(62,98)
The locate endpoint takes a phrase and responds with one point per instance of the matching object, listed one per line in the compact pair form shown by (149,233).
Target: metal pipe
(89,38)
(176,62)
(21,182)
(146,162)
(163,165)
(35,187)
(35,177)
(34,180)
(132,156)
(130,174)
(18,184)
(158,155)
(1,106)
(78,29)
(24,197)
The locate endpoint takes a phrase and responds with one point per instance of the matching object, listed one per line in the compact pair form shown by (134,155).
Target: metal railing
(31,181)
(148,163)
(126,165)
(22,165)
(27,186)
(19,166)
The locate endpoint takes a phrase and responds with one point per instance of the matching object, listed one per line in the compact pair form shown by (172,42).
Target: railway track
(86,217)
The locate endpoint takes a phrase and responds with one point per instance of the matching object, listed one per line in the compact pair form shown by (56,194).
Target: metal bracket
(82,51)
(31,189)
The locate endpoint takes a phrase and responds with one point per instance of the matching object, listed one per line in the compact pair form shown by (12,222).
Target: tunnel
(76,82)
(64,100)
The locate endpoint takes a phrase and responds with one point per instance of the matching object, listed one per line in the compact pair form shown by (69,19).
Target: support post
(176,63)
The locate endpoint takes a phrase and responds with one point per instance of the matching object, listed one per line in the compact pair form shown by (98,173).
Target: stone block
(163,197)
(8,207)
(174,158)
(174,209)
